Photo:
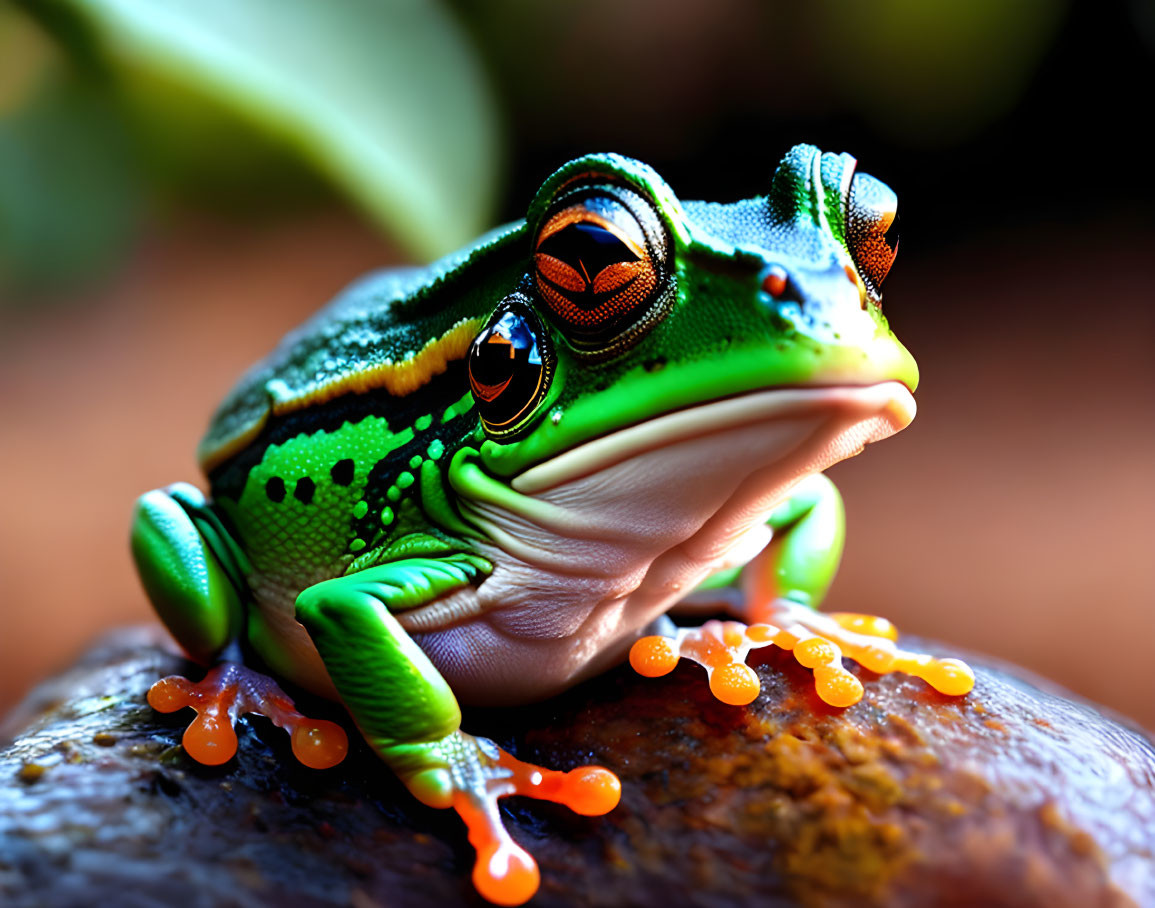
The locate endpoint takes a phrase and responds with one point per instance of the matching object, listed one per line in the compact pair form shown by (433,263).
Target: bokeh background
(180,183)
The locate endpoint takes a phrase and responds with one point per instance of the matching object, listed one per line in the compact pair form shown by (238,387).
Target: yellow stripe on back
(399,378)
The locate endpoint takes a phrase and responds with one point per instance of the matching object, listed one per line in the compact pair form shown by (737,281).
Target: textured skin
(382,318)
(361,475)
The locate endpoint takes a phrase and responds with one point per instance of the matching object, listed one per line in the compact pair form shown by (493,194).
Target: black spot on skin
(228,480)
(304,489)
(275,489)
(342,472)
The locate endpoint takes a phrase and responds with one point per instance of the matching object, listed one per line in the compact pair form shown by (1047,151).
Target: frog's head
(657,380)
(636,304)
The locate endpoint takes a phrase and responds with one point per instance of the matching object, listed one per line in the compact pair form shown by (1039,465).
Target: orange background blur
(1013,517)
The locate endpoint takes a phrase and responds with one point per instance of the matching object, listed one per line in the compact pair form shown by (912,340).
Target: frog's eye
(599,267)
(510,366)
(872,229)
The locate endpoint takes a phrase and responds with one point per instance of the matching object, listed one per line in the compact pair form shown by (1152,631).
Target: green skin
(337,515)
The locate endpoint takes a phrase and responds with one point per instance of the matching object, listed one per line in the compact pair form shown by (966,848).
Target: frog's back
(392,330)
(311,458)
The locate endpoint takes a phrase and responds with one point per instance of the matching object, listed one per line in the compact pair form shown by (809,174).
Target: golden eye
(872,229)
(595,268)
(510,366)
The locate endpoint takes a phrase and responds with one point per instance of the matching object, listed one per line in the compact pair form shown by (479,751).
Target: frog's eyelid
(616,172)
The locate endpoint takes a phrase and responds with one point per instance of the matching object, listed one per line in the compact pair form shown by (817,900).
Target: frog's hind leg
(193,573)
(783,586)
(190,568)
(410,717)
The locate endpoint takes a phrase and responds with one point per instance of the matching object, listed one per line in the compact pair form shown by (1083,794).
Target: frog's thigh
(802,559)
(180,551)
(798,565)
(386,682)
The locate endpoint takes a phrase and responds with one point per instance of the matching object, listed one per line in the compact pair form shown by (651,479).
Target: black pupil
(587,248)
(891,235)
(505,369)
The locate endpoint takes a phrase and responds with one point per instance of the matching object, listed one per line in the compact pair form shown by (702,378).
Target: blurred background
(180,183)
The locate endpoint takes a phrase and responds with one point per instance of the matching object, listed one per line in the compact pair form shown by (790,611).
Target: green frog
(489,479)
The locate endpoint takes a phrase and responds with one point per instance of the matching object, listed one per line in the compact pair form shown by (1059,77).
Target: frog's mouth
(869,413)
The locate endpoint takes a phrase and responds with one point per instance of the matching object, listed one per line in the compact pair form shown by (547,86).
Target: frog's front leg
(777,605)
(193,573)
(410,717)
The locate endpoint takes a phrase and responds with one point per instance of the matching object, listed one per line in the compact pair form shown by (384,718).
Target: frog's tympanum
(491,478)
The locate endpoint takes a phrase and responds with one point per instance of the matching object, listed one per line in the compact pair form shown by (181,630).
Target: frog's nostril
(775,281)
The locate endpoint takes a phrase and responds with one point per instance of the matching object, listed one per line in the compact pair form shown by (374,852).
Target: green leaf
(385,98)
(69,195)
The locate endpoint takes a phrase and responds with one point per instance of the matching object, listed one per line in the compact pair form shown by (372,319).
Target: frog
(596,435)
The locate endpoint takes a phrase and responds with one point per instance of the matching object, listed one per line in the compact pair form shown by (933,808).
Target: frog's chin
(887,407)
(598,542)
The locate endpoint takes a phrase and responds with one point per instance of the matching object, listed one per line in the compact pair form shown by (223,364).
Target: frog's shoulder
(393,329)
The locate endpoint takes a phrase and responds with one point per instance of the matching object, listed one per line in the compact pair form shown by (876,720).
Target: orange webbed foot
(230,690)
(819,641)
(478,774)
(720,647)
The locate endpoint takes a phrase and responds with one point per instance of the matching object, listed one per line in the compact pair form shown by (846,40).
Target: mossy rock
(1013,795)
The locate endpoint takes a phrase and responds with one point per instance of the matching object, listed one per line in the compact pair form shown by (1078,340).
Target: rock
(1014,795)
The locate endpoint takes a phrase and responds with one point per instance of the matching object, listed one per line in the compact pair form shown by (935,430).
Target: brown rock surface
(1014,795)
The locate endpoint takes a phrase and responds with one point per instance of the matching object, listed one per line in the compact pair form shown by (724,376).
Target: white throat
(615,531)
